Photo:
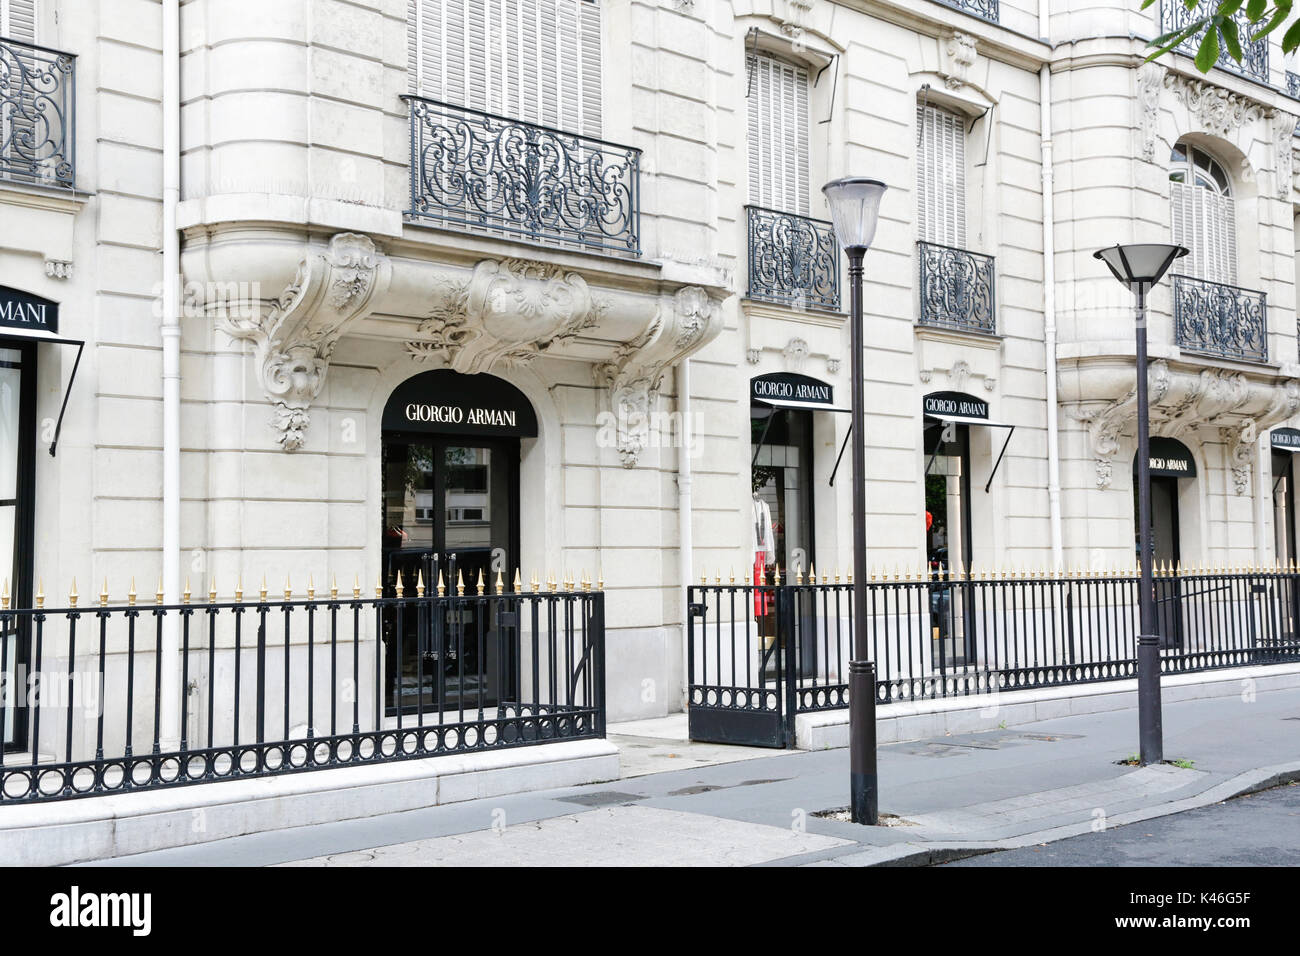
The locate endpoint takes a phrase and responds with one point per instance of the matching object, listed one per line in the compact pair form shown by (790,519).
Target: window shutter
(18,20)
(532,60)
(778,136)
(941,176)
(1205,222)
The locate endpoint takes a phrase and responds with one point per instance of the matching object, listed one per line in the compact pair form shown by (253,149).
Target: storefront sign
(21,310)
(1170,458)
(447,402)
(1285,439)
(790,387)
(956,403)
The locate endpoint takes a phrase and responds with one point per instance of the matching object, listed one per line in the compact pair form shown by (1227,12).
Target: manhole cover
(602,799)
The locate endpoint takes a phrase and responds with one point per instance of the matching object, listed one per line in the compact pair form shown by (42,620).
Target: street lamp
(1140,267)
(855,210)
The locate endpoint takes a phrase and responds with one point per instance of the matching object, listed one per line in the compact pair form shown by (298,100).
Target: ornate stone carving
(958,374)
(1183,399)
(960,51)
(833,366)
(752,355)
(796,13)
(58,269)
(1217,110)
(294,339)
(796,353)
(685,323)
(1284,125)
(1151,79)
(1241,442)
(509,312)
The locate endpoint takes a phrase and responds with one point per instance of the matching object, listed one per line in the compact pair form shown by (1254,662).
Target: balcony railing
(479,171)
(1293,84)
(1174,15)
(1222,320)
(793,260)
(985,9)
(37,115)
(956,288)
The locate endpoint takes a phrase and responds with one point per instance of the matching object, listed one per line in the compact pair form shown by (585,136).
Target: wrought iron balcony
(956,288)
(479,171)
(793,260)
(1221,320)
(1174,15)
(986,9)
(1293,84)
(37,115)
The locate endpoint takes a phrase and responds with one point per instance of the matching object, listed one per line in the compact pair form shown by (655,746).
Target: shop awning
(954,419)
(40,335)
(800,406)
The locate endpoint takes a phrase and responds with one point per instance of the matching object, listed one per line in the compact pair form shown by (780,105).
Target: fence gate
(741,675)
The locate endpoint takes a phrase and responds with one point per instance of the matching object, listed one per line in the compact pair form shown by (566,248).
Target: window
(1202,215)
(18,20)
(531,60)
(941,176)
(778,135)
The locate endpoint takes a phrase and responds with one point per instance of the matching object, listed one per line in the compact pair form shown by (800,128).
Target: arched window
(1202,216)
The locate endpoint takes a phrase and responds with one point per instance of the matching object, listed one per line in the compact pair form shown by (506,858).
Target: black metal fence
(37,115)
(957,288)
(760,655)
(793,260)
(1220,319)
(477,170)
(277,686)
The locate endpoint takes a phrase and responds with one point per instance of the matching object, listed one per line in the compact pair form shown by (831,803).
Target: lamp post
(1139,267)
(855,210)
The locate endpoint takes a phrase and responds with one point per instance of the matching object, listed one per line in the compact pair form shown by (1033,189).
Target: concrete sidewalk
(949,797)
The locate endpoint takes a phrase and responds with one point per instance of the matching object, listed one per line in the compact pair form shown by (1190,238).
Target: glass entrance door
(948,539)
(1165,552)
(450,511)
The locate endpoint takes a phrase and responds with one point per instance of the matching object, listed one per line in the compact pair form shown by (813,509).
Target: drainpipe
(684,539)
(171,372)
(1049,299)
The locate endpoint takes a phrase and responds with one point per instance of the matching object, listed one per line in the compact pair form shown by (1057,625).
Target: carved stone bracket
(685,323)
(509,312)
(294,338)
(1284,126)
(1151,80)
(1240,441)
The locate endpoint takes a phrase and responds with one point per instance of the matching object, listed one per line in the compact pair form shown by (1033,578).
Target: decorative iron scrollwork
(956,288)
(477,170)
(1174,15)
(793,260)
(1220,319)
(37,103)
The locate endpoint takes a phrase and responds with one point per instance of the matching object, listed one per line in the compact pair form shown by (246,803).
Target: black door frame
(24,532)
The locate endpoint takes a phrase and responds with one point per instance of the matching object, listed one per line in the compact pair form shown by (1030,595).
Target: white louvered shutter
(778,136)
(1204,221)
(532,60)
(18,20)
(941,176)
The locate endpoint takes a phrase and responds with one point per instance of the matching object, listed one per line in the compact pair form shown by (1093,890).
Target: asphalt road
(1262,829)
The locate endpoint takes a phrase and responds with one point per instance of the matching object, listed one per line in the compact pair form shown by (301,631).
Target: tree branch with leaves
(1223,28)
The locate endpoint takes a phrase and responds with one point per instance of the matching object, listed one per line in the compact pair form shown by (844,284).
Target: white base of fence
(921,720)
(97,828)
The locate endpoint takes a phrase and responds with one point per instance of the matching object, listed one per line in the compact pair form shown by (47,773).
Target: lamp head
(1140,265)
(855,210)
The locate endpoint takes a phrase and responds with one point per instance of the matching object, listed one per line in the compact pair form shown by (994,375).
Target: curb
(930,854)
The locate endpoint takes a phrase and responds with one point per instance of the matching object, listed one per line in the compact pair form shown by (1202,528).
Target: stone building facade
(599,222)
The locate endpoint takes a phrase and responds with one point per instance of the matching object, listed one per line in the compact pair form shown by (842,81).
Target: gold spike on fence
(776,581)
(600,579)
(185,595)
(356,585)
(442,585)
(398,589)
(72,594)
(103,594)
(334,588)
(419,583)
(4,598)
(480,584)
(239,589)
(158,595)
(518,585)
(311,587)
(747,576)
(40,593)
(460,582)
(212,589)
(732,577)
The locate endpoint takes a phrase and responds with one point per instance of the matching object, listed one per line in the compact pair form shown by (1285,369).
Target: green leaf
(1146,3)
(1280,14)
(1255,10)
(1230,39)
(1228,7)
(1208,53)
(1291,39)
